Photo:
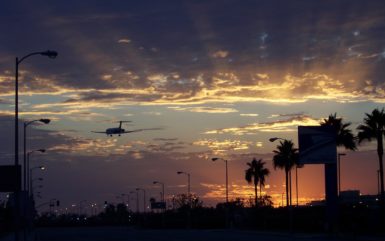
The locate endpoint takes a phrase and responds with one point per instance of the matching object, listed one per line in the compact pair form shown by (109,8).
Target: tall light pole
(81,207)
(26,124)
(227,177)
(137,200)
(50,54)
(121,197)
(26,167)
(161,183)
(188,181)
(378,182)
(31,178)
(144,198)
(339,171)
(128,200)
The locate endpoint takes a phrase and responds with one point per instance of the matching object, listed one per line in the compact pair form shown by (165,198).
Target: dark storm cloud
(123,44)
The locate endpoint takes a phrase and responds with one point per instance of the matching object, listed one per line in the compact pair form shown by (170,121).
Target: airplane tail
(120,123)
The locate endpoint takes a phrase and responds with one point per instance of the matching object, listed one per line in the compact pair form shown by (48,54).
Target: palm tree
(345,136)
(256,173)
(374,128)
(286,157)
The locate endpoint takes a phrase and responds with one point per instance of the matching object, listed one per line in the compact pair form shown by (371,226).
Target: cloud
(286,125)
(223,146)
(205,109)
(155,113)
(124,41)
(220,54)
(290,115)
(165,139)
(249,114)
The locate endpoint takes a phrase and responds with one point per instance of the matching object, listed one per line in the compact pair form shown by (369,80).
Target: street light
(137,200)
(128,200)
(81,207)
(26,124)
(339,171)
(378,182)
(188,181)
(26,167)
(275,138)
(121,196)
(51,54)
(144,198)
(227,177)
(31,179)
(156,182)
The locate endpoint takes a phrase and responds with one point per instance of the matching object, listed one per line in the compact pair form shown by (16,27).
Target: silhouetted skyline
(218,78)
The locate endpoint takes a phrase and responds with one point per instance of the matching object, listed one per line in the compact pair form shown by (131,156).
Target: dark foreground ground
(128,234)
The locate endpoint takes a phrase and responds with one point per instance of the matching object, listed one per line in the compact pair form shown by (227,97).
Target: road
(127,234)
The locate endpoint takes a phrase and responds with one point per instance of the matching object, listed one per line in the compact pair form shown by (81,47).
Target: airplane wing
(146,129)
(125,132)
(103,132)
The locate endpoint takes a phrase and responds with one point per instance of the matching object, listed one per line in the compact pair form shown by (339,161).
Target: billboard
(10,178)
(317,144)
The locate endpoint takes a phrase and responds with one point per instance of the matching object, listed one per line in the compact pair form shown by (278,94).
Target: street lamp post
(121,197)
(339,171)
(137,200)
(156,182)
(188,181)
(128,201)
(31,178)
(378,182)
(144,198)
(227,215)
(227,177)
(81,207)
(50,54)
(26,124)
(35,187)
(26,167)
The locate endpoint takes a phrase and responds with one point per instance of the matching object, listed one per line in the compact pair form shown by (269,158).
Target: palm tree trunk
(256,194)
(296,183)
(380,152)
(260,190)
(287,187)
(290,187)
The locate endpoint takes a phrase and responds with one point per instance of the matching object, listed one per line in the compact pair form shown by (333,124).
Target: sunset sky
(218,77)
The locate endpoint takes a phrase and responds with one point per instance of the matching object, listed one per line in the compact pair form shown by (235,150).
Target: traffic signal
(57,203)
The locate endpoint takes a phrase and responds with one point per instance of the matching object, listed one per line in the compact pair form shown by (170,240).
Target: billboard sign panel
(317,144)
(10,178)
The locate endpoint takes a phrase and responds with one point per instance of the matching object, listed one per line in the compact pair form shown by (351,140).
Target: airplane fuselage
(114,131)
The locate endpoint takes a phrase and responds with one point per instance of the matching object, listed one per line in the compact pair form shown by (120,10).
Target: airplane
(119,130)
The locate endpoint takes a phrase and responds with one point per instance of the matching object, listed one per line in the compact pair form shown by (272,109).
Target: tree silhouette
(185,201)
(286,157)
(373,128)
(345,136)
(256,174)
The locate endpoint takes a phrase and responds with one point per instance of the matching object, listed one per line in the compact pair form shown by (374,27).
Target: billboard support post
(331,196)
(317,145)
